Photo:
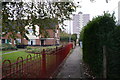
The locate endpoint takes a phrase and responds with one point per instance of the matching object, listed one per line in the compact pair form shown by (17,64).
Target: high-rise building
(76,23)
(79,20)
(119,13)
(86,18)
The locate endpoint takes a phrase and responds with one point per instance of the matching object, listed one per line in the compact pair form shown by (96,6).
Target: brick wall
(37,41)
(50,41)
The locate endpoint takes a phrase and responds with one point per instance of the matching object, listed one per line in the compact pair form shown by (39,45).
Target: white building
(86,18)
(76,23)
(79,20)
(119,13)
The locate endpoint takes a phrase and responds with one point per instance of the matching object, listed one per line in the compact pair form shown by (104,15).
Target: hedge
(95,36)
(113,56)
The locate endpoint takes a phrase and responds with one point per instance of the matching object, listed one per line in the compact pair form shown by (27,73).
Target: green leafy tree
(17,15)
(64,37)
(74,38)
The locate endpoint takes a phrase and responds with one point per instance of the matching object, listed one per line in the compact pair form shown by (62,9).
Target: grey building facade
(79,20)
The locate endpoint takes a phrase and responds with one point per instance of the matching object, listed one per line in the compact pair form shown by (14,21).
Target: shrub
(95,36)
(81,34)
(28,47)
(31,49)
(64,37)
(6,46)
(114,54)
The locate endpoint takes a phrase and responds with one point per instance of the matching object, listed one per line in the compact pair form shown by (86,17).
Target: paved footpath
(72,67)
(14,51)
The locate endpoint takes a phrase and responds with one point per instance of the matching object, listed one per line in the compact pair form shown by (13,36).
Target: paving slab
(72,67)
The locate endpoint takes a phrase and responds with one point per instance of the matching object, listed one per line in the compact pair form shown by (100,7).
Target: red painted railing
(38,66)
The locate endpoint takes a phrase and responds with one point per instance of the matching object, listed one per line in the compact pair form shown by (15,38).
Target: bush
(114,54)
(6,46)
(34,50)
(64,38)
(31,49)
(28,47)
(81,34)
(95,36)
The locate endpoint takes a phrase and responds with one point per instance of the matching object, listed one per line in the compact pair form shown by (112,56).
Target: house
(52,39)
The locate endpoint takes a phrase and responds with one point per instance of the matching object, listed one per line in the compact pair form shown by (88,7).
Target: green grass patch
(13,56)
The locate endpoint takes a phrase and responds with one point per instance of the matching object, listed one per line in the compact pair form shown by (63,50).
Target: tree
(17,15)
(74,37)
(64,37)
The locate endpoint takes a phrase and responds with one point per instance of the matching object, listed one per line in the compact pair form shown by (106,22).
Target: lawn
(13,56)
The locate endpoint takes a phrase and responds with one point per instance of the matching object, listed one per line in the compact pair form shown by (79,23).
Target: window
(17,41)
(18,32)
(8,41)
(3,40)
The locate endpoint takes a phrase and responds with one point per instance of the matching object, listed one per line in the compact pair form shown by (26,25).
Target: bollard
(43,64)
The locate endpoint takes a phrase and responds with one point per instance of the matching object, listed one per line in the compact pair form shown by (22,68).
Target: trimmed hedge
(95,36)
(114,54)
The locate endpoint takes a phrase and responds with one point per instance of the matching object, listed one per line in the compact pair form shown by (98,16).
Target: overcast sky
(93,8)
(97,7)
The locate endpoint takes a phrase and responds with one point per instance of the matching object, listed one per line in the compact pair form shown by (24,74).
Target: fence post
(43,64)
(104,63)
(56,56)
